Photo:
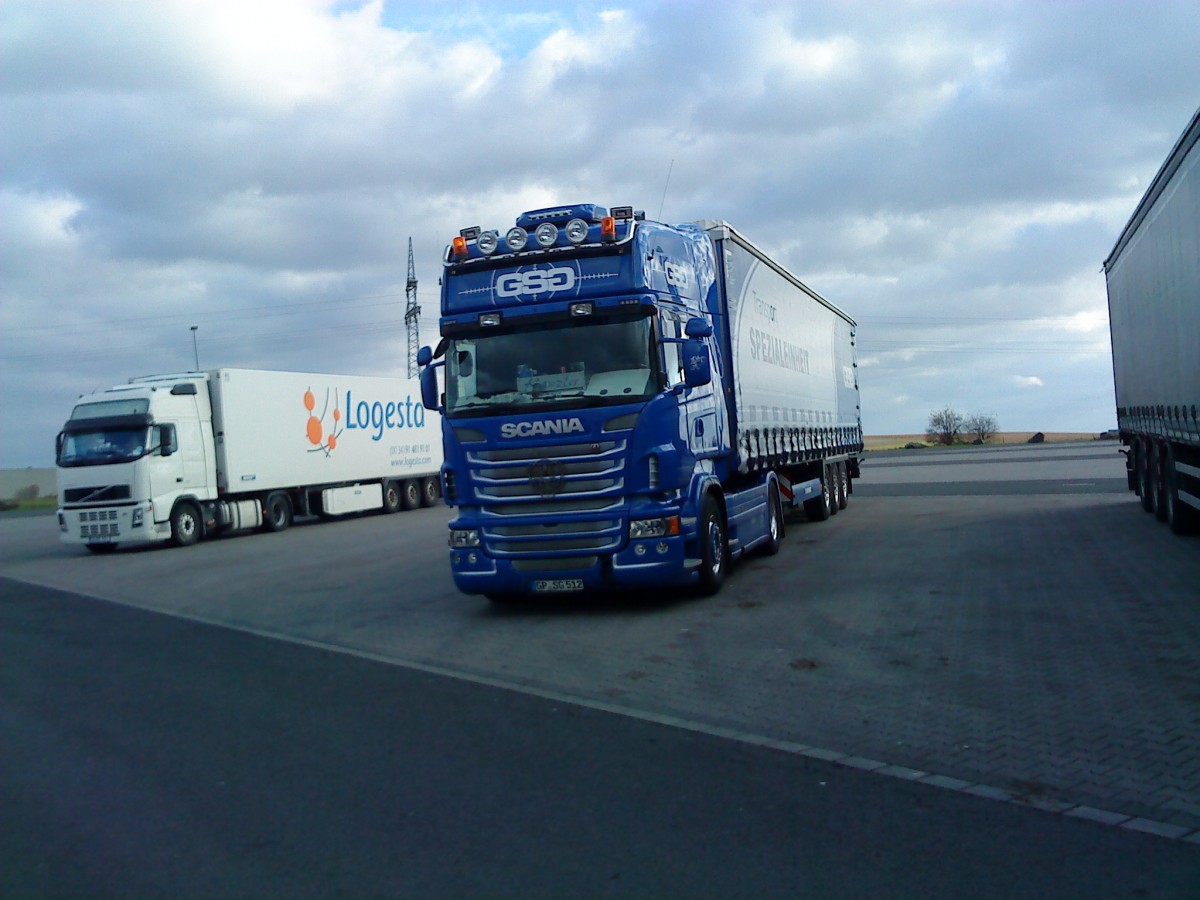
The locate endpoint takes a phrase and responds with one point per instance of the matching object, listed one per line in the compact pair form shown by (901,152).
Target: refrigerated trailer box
(1153,278)
(176,457)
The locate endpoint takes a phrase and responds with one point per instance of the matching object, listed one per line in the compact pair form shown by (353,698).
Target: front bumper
(648,562)
(111,525)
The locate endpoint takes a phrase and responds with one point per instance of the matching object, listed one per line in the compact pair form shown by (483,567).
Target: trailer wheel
(774,522)
(410,493)
(430,491)
(714,547)
(1158,484)
(277,512)
(821,508)
(185,525)
(392,497)
(1142,464)
(843,484)
(1181,518)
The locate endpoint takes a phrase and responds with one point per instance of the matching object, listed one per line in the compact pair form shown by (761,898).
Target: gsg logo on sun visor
(535,281)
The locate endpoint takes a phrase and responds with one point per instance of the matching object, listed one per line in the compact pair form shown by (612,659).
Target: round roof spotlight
(516,238)
(487,242)
(577,231)
(546,234)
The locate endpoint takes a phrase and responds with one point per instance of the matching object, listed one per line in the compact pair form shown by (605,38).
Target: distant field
(892,441)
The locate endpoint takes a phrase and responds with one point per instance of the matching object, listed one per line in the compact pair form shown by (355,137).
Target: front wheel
(185,525)
(774,522)
(714,547)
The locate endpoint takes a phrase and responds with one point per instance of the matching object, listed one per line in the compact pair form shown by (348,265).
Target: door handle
(179,481)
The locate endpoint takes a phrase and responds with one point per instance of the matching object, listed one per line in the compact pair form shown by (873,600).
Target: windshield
(603,361)
(102,446)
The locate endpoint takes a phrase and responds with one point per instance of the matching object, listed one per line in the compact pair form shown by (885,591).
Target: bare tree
(944,426)
(983,426)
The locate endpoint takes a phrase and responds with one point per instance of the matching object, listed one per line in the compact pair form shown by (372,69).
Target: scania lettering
(1153,277)
(643,421)
(179,457)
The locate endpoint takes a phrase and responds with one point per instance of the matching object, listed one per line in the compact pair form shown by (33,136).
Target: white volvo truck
(179,457)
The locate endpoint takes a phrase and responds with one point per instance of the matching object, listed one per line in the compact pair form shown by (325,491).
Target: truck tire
(821,508)
(714,547)
(1158,484)
(1181,518)
(1142,464)
(392,497)
(277,512)
(185,525)
(430,491)
(410,493)
(843,486)
(774,522)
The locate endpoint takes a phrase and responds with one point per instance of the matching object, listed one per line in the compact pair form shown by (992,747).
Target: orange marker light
(608,228)
(460,246)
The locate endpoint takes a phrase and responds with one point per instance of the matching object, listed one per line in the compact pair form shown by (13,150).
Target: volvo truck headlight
(546,234)
(464,538)
(652,528)
(488,242)
(139,514)
(516,239)
(577,231)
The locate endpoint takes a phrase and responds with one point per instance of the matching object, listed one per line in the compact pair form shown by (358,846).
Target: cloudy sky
(952,174)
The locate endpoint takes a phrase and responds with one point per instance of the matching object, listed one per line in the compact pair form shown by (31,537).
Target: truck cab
(585,407)
(129,455)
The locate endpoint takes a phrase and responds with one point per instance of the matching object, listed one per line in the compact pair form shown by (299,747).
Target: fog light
(640,549)
(661,547)
(472,558)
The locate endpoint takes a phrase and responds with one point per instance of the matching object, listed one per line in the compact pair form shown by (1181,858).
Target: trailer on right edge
(1153,276)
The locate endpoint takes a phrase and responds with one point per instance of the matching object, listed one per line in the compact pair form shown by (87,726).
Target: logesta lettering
(377,416)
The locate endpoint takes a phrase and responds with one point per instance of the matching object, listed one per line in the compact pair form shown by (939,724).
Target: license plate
(558,585)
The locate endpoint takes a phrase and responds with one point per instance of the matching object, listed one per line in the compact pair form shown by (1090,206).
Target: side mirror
(697,328)
(166,440)
(424,357)
(58,445)
(697,366)
(429,386)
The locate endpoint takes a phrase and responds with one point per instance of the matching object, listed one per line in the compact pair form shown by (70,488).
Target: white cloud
(951,175)
(1027,381)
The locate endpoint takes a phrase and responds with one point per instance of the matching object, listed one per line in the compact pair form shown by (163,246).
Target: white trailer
(177,457)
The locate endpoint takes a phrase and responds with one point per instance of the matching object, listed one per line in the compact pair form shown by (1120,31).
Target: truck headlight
(465,538)
(138,517)
(62,523)
(652,528)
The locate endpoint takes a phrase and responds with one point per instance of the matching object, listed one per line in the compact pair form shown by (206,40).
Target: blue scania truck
(630,404)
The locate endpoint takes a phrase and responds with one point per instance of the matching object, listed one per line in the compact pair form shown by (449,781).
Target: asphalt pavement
(147,755)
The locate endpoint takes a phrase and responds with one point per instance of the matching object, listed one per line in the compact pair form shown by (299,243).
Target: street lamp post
(195,350)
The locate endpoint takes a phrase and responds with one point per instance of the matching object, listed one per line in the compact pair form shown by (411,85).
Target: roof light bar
(516,239)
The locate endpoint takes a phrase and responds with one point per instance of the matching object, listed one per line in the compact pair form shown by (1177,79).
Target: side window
(672,327)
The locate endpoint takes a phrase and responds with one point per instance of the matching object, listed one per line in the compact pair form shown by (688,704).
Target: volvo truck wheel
(392,497)
(430,491)
(714,547)
(277,512)
(185,525)
(774,523)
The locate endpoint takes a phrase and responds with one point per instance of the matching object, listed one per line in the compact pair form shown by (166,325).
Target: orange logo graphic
(316,426)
